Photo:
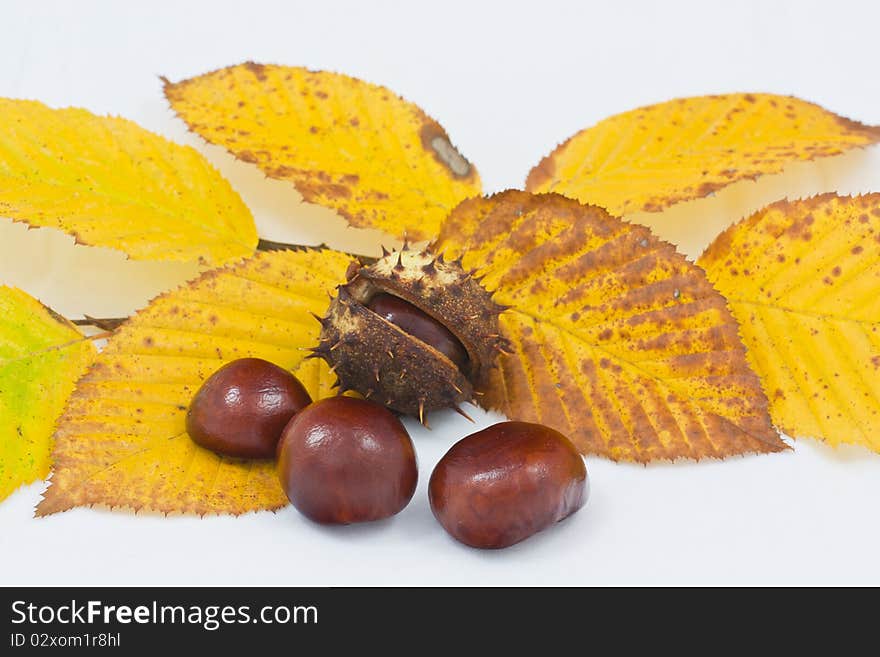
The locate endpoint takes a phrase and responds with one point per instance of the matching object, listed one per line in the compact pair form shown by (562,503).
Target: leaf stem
(104,323)
(271,245)
(110,324)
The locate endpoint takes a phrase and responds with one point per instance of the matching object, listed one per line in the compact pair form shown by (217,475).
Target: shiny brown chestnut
(243,407)
(344,460)
(420,325)
(500,485)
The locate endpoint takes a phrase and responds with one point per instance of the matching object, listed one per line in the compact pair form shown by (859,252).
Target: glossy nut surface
(499,486)
(419,325)
(344,460)
(243,407)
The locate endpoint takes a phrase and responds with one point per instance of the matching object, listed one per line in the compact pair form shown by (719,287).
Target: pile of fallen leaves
(617,340)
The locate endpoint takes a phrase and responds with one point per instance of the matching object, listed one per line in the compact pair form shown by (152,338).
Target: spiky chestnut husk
(384,363)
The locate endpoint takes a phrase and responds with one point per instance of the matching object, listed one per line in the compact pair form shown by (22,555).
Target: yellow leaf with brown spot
(108,182)
(652,157)
(122,440)
(803,279)
(41,357)
(617,340)
(356,147)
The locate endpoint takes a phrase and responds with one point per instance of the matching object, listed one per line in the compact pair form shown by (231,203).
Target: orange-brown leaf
(651,157)
(618,341)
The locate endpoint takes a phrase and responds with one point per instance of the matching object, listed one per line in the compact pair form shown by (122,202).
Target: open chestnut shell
(411,363)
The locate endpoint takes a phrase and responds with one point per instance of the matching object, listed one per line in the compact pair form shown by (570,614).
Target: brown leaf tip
(543,172)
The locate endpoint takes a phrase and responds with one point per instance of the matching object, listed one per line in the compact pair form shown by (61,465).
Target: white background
(508,81)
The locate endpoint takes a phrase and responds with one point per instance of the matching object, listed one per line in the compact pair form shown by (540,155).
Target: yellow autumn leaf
(108,182)
(122,440)
(803,279)
(41,357)
(652,157)
(617,340)
(356,147)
